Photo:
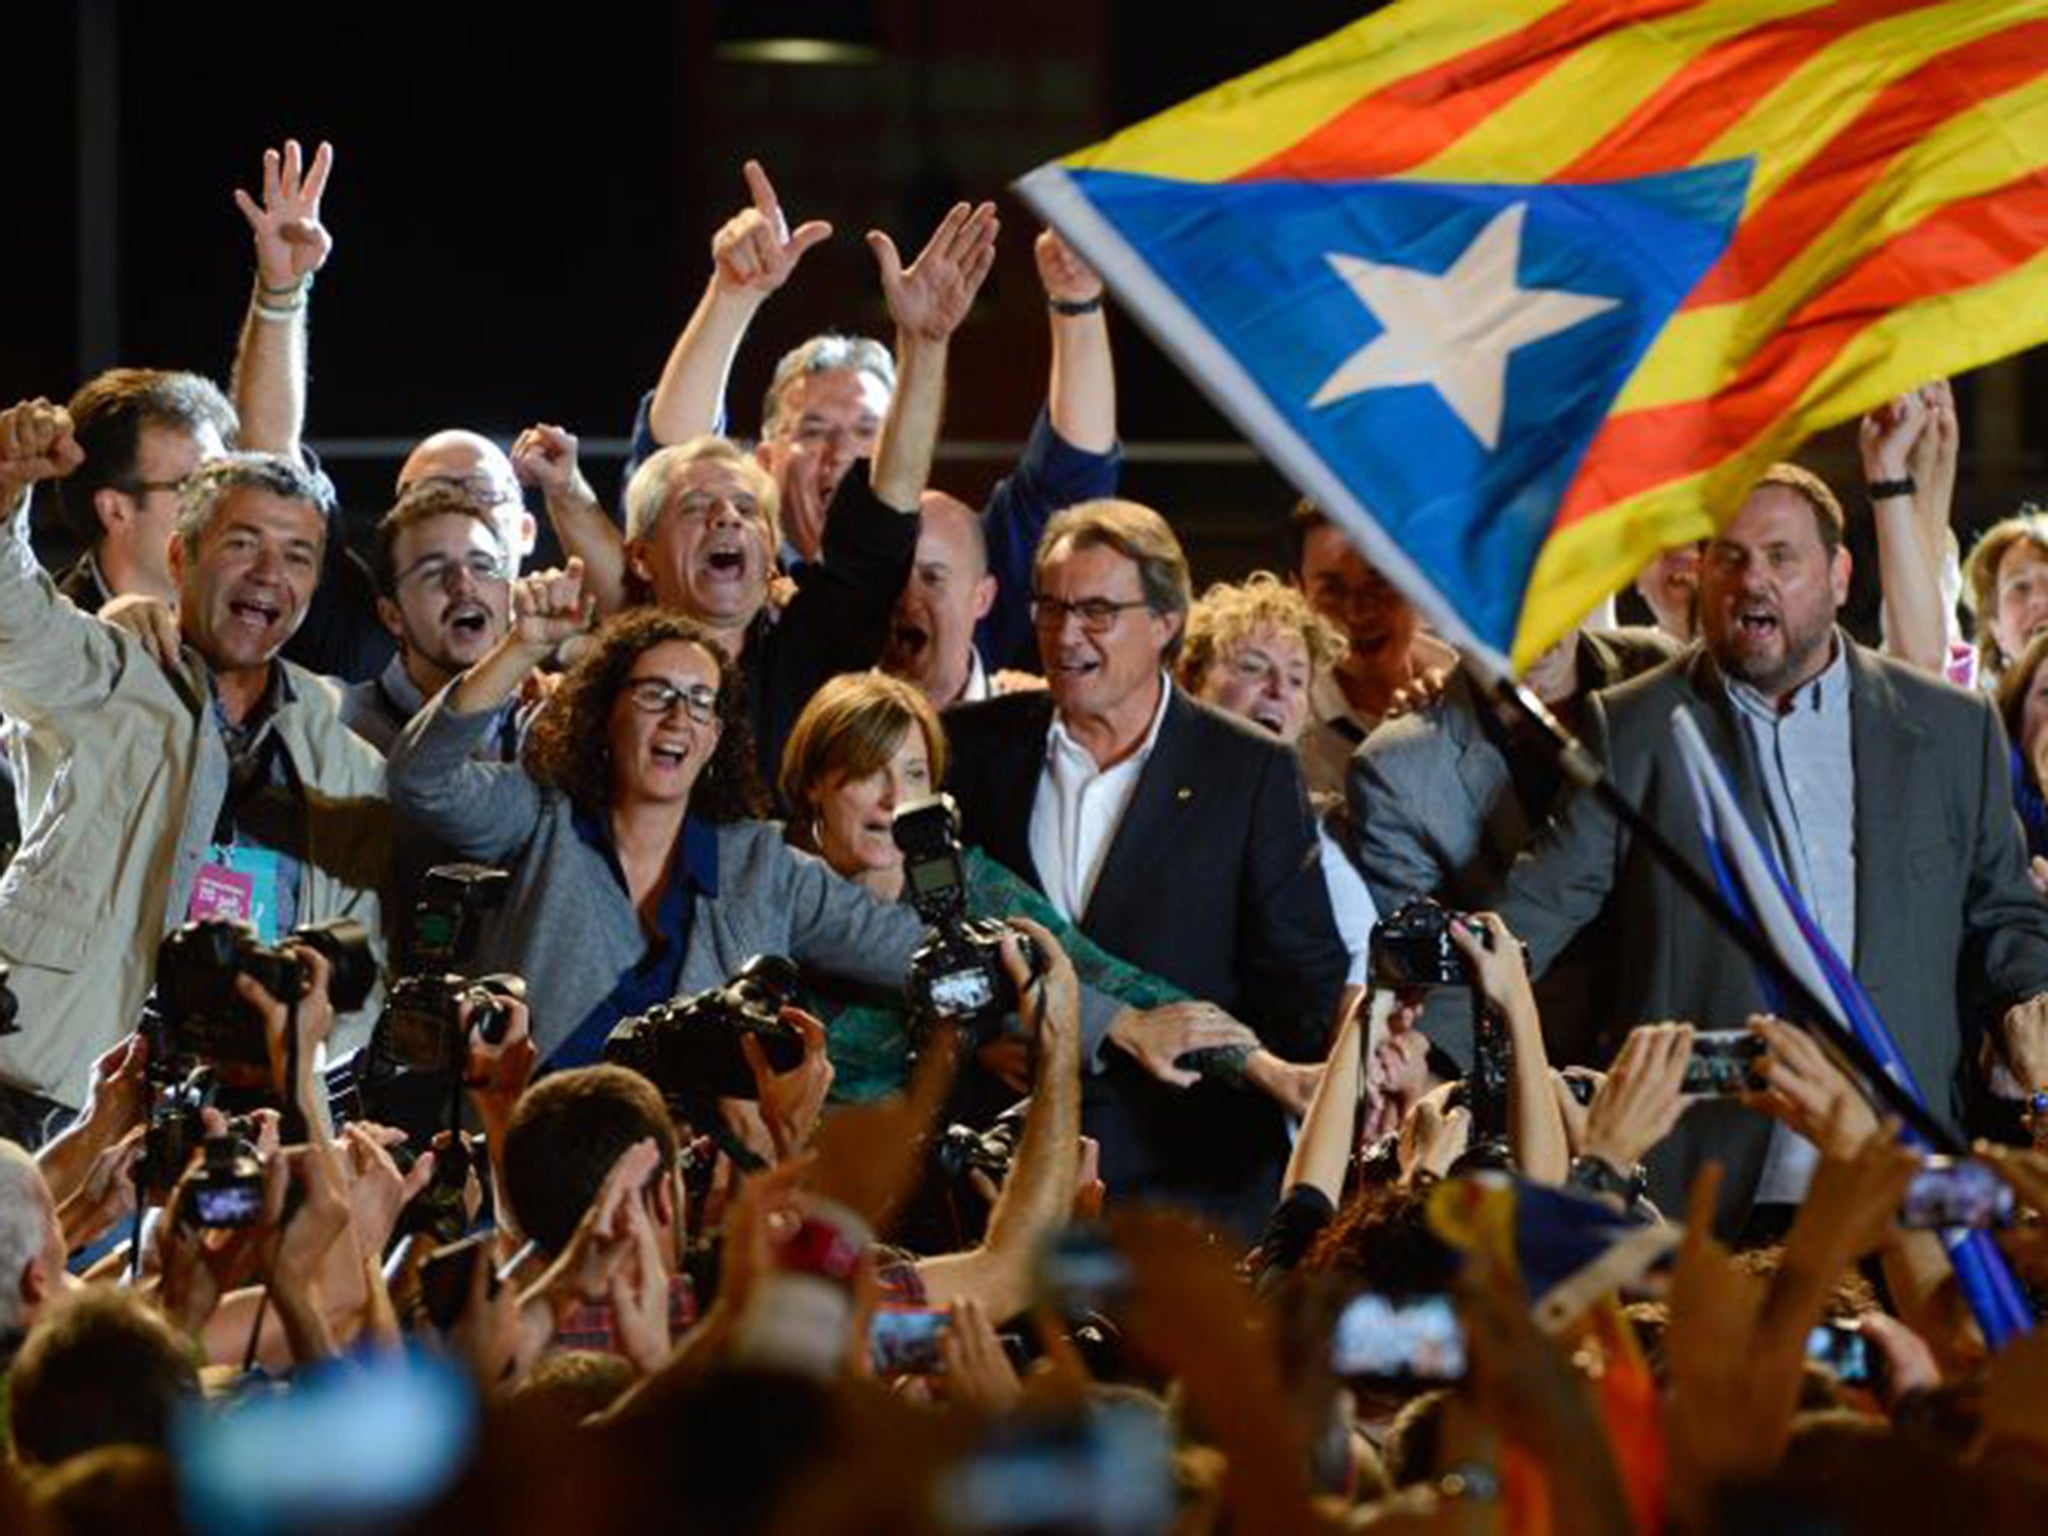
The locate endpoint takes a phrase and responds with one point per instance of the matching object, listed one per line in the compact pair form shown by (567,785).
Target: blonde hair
(849,729)
(1229,611)
(1980,575)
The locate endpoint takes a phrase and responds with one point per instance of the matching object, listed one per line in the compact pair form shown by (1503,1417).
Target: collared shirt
(1079,806)
(245,792)
(1802,752)
(379,708)
(978,686)
(654,979)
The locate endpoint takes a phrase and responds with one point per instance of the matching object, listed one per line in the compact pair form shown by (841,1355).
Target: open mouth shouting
(255,612)
(1757,623)
(468,618)
(1272,716)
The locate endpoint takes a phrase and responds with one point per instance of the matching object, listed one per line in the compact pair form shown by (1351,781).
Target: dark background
(522,210)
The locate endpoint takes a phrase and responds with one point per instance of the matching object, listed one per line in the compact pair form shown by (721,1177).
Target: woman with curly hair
(637,873)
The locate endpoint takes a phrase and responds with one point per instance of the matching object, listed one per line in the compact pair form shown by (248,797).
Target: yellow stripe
(1587,96)
(1225,131)
(1823,96)
(1934,338)
(1974,152)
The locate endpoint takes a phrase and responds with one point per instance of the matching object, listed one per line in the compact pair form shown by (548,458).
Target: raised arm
(752,255)
(1082,394)
(1898,441)
(927,300)
(544,455)
(291,245)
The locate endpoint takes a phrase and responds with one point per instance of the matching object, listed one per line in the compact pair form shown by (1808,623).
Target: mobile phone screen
(1416,1338)
(904,1341)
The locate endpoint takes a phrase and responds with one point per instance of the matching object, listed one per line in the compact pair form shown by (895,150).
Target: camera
(441,1209)
(957,974)
(1403,1340)
(444,918)
(1412,947)
(422,1028)
(690,1049)
(196,967)
(1956,1192)
(960,1149)
(227,1189)
(1723,1061)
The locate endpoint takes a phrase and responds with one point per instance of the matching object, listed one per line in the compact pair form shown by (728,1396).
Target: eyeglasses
(657,696)
(485,489)
(435,570)
(1098,615)
(141,488)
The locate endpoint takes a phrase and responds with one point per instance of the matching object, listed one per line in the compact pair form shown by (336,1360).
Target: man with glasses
(444,582)
(1179,839)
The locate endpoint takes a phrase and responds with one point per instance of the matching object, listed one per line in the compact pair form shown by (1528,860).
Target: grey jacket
(568,926)
(1943,903)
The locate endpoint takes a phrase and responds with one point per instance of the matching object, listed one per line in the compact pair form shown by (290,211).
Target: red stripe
(1834,176)
(1961,246)
(1408,122)
(1716,88)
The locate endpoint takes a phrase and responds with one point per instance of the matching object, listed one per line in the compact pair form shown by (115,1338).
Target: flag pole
(1590,774)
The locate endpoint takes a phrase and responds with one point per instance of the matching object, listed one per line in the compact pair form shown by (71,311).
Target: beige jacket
(113,746)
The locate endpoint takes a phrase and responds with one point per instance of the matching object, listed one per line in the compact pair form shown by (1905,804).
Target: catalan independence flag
(1523,291)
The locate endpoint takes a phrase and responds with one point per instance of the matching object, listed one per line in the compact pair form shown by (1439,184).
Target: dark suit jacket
(1942,895)
(1211,882)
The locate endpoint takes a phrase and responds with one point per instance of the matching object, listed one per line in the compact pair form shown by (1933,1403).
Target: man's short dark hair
(104,1369)
(1828,519)
(422,502)
(107,417)
(566,1135)
(1142,537)
(213,482)
(1304,520)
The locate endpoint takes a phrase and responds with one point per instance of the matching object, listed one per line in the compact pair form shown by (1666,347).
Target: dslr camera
(445,916)
(957,974)
(423,1030)
(690,1049)
(196,967)
(1412,948)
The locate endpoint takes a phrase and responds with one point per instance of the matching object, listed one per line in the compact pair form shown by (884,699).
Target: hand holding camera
(1641,1097)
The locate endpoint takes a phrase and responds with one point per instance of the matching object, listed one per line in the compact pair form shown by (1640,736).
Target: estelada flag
(1523,291)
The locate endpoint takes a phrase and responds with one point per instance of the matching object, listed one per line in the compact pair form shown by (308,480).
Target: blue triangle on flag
(1253,261)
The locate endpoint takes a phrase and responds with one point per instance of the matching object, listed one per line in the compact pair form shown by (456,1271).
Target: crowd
(491,1050)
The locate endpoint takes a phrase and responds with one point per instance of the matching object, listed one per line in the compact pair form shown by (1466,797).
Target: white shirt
(1078,808)
(977,686)
(1351,903)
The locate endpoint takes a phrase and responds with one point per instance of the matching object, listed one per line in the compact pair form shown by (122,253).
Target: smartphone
(227,1204)
(904,1341)
(1409,1340)
(446,1275)
(1723,1062)
(1956,1192)
(1850,1353)
(1080,1271)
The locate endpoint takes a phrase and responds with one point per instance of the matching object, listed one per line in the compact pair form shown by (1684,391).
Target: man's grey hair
(821,354)
(25,1216)
(217,479)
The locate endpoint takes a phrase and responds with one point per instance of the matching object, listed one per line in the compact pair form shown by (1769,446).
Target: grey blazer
(1944,909)
(568,926)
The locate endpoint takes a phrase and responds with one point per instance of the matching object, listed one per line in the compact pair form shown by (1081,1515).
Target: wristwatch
(1600,1177)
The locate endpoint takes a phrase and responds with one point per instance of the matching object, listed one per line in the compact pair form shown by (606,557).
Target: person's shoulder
(1420,735)
(1629,650)
(1920,694)
(751,852)
(1002,717)
(321,706)
(1214,736)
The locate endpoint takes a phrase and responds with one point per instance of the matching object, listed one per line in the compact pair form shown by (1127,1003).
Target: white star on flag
(1454,331)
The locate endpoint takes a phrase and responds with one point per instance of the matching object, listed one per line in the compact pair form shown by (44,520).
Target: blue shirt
(653,980)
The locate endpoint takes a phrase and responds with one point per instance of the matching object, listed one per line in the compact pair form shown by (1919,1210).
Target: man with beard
(444,579)
(1883,794)
(224,786)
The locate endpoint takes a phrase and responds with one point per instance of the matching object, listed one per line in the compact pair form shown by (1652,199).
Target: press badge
(240,884)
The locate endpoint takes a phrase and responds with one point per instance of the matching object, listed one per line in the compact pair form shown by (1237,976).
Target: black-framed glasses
(657,696)
(1098,615)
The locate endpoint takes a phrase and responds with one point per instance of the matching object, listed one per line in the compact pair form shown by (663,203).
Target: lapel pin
(1183,793)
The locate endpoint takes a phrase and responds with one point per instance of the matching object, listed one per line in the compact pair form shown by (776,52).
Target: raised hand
(549,607)
(929,298)
(544,455)
(1066,278)
(1807,1091)
(35,444)
(1638,1101)
(755,250)
(291,242)
(1889,434)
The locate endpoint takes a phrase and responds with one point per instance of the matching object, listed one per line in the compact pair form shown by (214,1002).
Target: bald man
(478,467)
(931,637)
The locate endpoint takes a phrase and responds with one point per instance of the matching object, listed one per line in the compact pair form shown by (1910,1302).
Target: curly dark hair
(569,748)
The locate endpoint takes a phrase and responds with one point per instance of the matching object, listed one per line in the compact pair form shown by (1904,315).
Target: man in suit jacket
(1178,838)
(1883,792)
(1442,799)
